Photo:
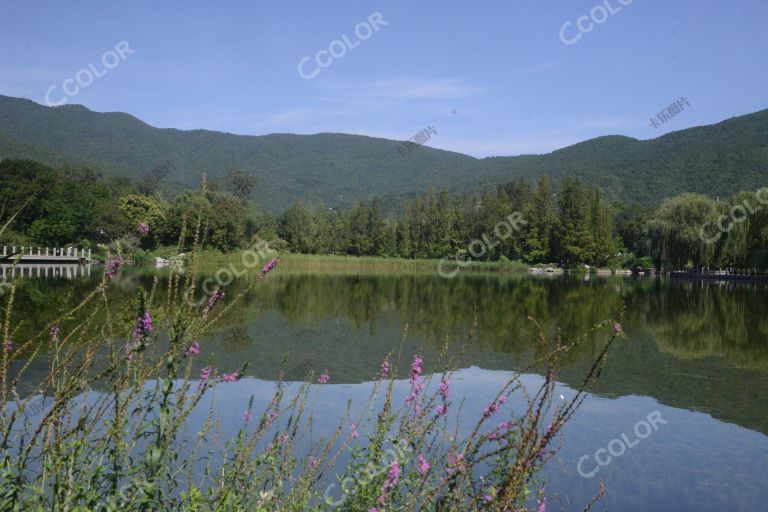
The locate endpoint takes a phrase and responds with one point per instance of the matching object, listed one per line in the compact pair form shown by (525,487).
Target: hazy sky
(492,77)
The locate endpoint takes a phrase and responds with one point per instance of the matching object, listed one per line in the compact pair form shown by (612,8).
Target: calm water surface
(695,358)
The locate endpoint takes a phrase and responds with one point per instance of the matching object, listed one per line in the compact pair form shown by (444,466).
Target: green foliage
(241,184)
(437,225)
(62,206)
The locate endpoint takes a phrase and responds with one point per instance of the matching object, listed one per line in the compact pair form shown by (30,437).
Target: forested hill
(339,169)
(714,160)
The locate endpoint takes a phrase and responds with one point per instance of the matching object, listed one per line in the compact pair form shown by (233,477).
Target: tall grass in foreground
(125,447)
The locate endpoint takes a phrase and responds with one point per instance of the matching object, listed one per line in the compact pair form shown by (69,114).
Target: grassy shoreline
(342,263)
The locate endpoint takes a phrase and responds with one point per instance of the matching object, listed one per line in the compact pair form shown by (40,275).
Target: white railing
(47,253)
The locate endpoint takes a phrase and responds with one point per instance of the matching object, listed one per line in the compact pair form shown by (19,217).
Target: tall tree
(240,183)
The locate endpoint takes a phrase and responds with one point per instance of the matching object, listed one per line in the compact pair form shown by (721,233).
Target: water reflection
(695,351)
(11,271)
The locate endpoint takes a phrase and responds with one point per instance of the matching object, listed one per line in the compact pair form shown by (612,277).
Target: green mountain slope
(339,169)
(715,160)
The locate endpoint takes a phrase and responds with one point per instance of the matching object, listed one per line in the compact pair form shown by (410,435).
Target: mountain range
(339,169)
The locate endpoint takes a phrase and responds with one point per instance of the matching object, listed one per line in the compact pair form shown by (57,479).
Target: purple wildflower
(193,349)
(494,407)
(490,410)
(229,377)
(8,346)
(268,267)
(143,326)
(324,377)
(542,504)
(392,477)
(423,465)
(416,386)
(212,300)
(416,367)
(617,329)
(54,334)
(247,416)
(113,266)
(271,416)
(355,434)
(142,229)
(205,374)
(385,369)
(444,391)
(313,462)
(455,464)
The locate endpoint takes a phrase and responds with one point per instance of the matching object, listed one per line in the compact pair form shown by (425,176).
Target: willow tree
(745,237)
(675,232)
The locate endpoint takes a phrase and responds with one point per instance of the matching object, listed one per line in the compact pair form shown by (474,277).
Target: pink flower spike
(205,374)
(113,266)
(385,369)
(423,465)
(247,416)
(324,377)
(193,349)
(617,329)
(229,377)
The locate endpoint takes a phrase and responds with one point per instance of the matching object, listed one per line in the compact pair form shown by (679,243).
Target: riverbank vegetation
(573,226)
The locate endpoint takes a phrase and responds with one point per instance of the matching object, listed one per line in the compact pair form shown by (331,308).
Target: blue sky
(492,77)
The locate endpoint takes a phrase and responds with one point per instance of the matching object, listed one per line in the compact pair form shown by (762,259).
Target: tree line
(572,226)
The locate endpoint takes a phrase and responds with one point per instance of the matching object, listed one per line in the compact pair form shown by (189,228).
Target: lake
(678,420)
